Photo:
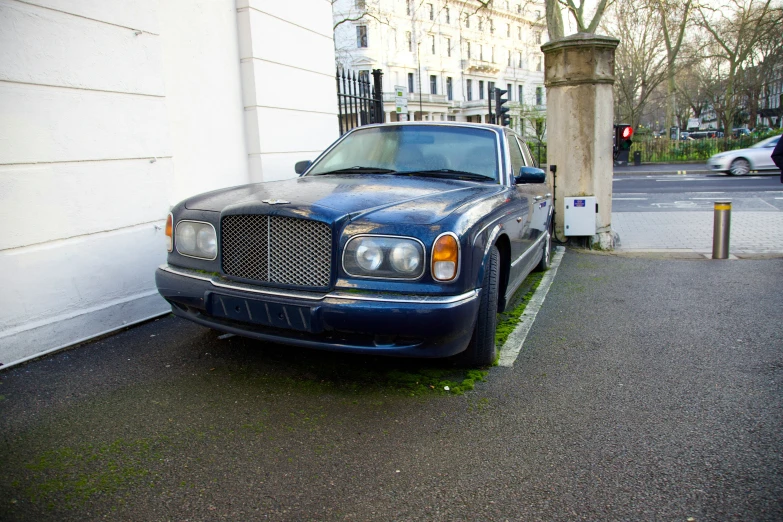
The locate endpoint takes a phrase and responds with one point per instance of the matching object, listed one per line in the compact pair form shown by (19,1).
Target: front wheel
(546,256)
(482,351)
(739,167)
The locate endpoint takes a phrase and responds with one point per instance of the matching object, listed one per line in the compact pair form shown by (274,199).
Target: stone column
(579,74)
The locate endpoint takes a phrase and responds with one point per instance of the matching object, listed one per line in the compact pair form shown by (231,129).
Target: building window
(481,24)
(360,4)
(409,37)
(432,43)
(364,76)
(539,95)
(448,15)
(448,47)
(493,54)
(521,98)
(449,88)
(431,10)
(410,82)
(361,36)
(510,91)
(508,30)
(467,21)
(451,118)
(409,6)
(470,89)
(468,49)
(481,89)
(519,33)
(491,26)
(433,84)
(520,59)
(538,37)
(519,8)
(539,64)
(509,58)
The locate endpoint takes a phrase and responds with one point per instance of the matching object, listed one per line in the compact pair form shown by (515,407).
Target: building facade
(448,55)
(111,112)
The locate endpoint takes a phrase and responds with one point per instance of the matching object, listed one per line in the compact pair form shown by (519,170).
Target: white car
(741,161)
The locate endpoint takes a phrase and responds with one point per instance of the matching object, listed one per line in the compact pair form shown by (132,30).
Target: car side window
(517,160)
(526,153)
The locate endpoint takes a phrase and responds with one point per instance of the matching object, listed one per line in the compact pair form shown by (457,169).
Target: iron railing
(359,102)
(663,150)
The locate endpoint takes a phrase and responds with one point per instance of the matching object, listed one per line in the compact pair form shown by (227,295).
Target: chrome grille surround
(276,249)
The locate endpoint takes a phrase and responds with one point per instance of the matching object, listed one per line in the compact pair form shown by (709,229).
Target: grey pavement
(647,389)
(750,232)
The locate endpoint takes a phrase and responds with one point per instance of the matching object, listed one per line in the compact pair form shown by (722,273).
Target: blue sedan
(401,239)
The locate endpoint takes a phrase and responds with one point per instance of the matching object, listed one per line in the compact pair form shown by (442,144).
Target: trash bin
(637,158)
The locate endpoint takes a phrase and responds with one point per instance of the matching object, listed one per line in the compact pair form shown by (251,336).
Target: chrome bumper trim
(311,296)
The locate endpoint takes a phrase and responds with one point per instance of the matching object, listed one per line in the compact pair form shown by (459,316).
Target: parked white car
(741,161)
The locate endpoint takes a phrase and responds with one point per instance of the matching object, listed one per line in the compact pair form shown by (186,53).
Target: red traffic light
(627,132)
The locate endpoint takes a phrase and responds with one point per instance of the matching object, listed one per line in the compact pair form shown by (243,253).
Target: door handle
(519,220)
(549,194)
(538,198)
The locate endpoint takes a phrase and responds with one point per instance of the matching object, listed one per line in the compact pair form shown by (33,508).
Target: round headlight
(405,258)
(186,237)
(369,255)
(206,242)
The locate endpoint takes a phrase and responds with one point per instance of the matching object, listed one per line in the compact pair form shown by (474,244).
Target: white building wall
(288,84)
(110,111)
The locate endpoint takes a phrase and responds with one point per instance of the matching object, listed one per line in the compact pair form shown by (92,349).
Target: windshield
(769,142)
(410,149)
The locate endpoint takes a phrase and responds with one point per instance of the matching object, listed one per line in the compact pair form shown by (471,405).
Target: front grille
(274,249)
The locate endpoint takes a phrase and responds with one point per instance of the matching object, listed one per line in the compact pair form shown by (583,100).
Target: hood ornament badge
(275,201)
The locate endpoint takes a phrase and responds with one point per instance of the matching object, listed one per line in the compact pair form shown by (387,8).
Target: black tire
(739,167)
(546,257)
(482,351)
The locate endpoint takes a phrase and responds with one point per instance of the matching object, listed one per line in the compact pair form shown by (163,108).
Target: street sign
(401,99)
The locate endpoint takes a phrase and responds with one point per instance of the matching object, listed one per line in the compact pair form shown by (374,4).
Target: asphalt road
(646,390)
(667,192)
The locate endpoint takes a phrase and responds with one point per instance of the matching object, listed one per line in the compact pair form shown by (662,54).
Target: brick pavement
(751,232)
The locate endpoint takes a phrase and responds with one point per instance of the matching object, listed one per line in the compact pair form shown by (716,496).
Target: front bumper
(388,324)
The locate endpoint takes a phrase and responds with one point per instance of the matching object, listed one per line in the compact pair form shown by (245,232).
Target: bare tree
(674,16)
(554,16)
(640,63)
(736,29)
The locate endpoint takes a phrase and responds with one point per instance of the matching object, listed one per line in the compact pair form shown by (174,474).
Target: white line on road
(629,199)
(722,199)
(510,351)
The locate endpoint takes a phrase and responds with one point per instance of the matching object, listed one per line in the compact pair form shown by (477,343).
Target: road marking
(727,199)
(778,198)
(630,199)
(510,350)
(680,179)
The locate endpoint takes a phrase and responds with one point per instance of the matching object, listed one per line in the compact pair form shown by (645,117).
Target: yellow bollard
(721,230)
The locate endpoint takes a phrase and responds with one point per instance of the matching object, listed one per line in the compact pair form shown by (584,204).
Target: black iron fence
(359,101)
(538,150)
(661,150)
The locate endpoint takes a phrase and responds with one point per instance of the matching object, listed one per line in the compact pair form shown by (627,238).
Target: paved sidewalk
(751,232)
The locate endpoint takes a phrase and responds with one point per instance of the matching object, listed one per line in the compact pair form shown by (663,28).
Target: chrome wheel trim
(739,167)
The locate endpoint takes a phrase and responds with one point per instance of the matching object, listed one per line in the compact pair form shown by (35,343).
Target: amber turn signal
(170,233)
(445,258)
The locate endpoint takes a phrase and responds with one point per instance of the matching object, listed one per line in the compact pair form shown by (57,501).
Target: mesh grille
(277,249)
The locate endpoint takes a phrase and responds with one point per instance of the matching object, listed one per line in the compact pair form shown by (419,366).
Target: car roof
(488,126)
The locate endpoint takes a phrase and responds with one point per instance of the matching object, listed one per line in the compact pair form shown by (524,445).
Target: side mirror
(530,175)
(302,166)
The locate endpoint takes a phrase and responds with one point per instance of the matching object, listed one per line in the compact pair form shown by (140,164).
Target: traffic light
(501,112)
(622,138)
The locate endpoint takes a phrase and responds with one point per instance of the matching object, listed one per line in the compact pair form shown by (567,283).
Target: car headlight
(385,257)
(196,239)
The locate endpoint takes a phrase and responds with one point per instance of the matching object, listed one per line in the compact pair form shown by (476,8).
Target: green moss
(509,320)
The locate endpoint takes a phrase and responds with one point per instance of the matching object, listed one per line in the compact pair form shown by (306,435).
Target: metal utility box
(579,215)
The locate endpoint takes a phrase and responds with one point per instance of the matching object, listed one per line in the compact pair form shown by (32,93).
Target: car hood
(382,198)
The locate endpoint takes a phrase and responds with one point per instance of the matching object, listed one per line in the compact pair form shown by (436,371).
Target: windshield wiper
(447,173)
(358,169)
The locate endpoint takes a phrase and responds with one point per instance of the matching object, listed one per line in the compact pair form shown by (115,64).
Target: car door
(762,156)
(539,195)
(519,227)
